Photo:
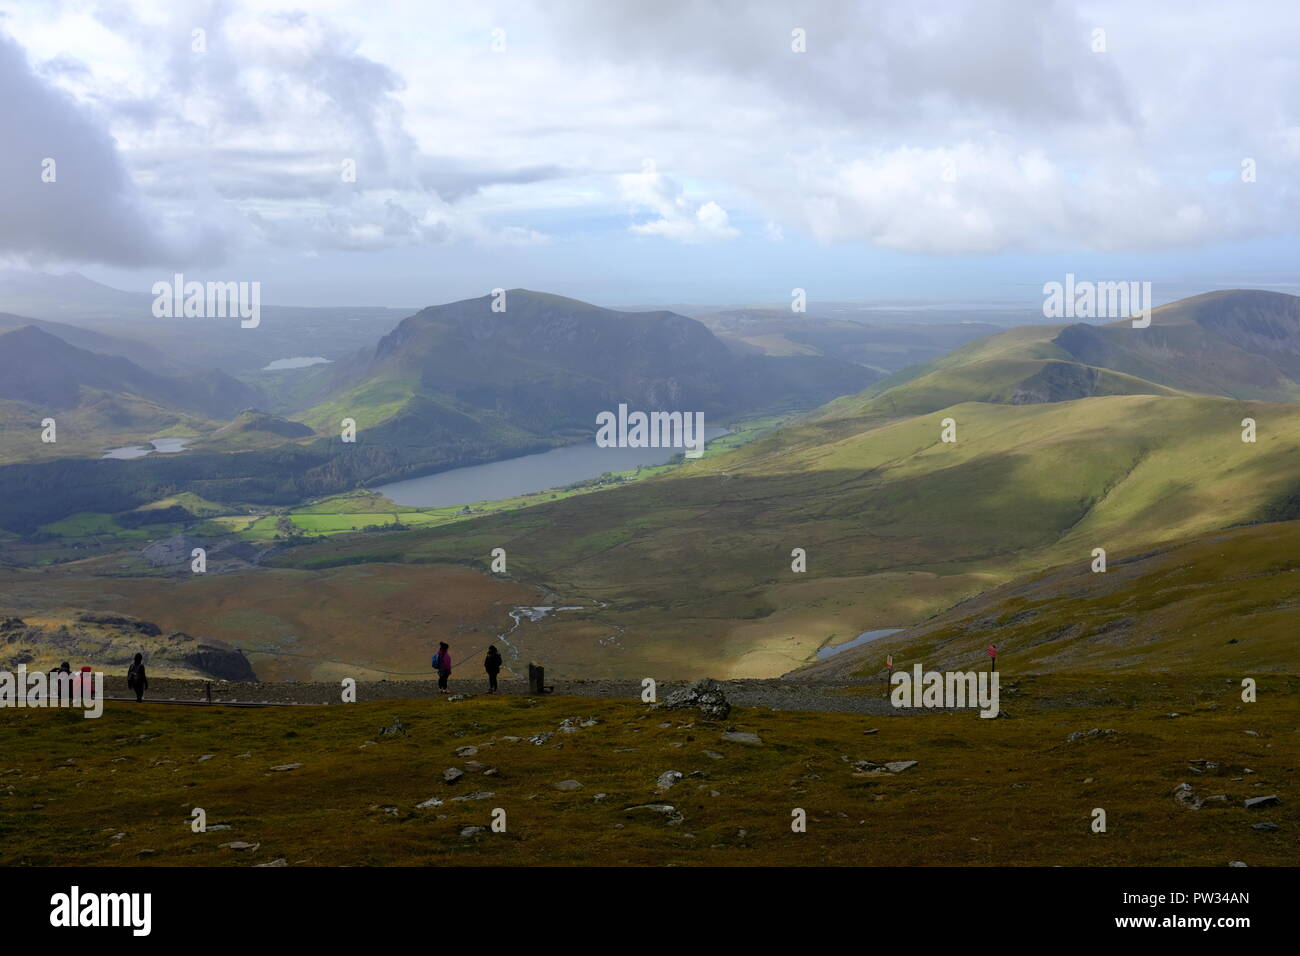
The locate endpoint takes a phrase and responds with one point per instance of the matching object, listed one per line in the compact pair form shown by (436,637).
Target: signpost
(993,658)
(889,678)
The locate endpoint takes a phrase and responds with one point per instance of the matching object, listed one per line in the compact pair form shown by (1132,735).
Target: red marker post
(993,658)
(889,678)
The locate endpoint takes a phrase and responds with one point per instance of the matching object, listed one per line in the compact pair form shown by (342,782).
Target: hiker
(85,680)
(492,664)
(137,679)
(63,680)
(442,664)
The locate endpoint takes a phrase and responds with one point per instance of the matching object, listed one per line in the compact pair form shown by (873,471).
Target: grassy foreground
(984,792)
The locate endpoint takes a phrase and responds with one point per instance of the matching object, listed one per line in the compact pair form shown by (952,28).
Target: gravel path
(863,697)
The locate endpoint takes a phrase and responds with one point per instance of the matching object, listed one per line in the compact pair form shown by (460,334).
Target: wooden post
(209,689)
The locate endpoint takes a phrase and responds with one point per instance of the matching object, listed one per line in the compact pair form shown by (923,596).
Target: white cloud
(680,218)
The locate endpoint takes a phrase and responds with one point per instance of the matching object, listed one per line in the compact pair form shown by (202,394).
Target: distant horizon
(1031,303)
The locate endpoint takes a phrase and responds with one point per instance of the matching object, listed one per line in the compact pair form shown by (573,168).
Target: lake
(521,476)
(301,361)
(164,446)
(864,638)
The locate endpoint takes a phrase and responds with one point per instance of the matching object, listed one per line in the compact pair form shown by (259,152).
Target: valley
(685,570)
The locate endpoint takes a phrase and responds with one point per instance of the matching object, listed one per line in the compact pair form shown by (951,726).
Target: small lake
(300,361)
(164,446)
(865,637)
(521,476)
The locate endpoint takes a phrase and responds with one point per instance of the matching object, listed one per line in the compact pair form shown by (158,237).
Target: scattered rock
(1236,863)
(1263,826)
(567,785)
(395,729)
(452,774)
(281,861)
(599,797)
(286,766)
(205,758)
(466,751)
(539,739)
(714,755)
(742,737)
(873,730)
(1084,734)
(479,795)
(240,845)
(427,804)
(666,810)
(871,769)
(469,832)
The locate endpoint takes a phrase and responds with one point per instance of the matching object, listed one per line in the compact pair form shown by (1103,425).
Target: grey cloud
(93,211)
(1020,60)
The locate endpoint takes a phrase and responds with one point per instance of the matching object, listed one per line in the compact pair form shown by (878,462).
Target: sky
(653,152)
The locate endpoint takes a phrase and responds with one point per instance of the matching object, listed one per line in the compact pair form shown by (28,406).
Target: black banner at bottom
(334,905)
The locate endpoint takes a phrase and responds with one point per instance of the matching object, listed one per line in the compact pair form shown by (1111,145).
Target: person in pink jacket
(442,664)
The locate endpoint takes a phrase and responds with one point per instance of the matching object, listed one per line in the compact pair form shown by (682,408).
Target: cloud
(680,219)
(92,211)
(1053,146)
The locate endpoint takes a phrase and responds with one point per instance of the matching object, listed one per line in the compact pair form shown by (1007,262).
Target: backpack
(437,659)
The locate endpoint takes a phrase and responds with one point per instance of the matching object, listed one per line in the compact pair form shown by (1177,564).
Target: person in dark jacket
(137,679)
(442,664)
(492,664)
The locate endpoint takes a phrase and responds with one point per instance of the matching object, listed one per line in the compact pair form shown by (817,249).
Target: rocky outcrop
(215,659)
(123,622)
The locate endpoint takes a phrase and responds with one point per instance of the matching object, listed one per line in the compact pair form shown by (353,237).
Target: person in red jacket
(442,664)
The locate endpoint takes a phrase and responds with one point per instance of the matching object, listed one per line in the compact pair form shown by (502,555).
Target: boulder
(668,779)
(705,696)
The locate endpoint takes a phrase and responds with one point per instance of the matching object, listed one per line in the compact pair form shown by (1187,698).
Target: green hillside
(1223,602)
(695,566)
